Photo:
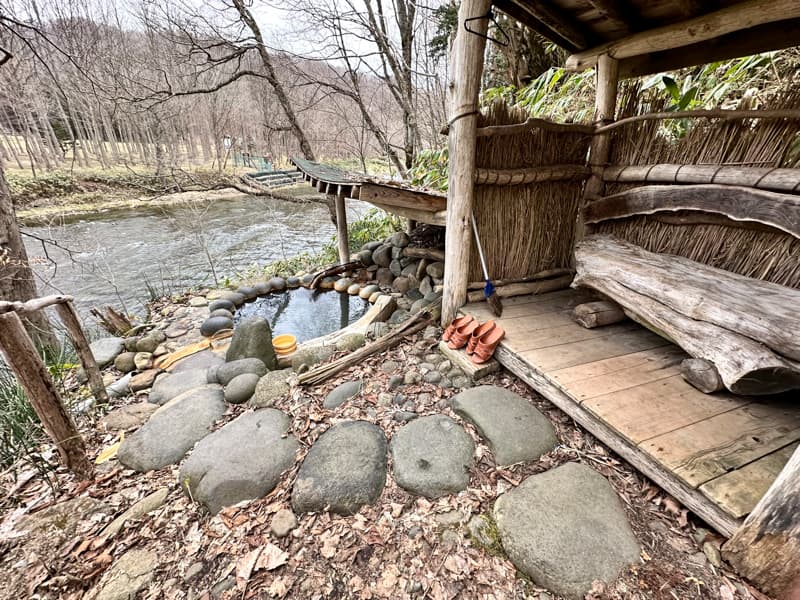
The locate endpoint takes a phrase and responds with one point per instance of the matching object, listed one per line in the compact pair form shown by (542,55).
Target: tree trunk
(16,276)
(597,314)
(766,548)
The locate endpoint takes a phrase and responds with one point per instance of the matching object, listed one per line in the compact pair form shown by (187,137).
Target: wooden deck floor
(717,454)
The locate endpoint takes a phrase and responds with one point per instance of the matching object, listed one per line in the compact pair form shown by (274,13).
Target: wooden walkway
(717,454)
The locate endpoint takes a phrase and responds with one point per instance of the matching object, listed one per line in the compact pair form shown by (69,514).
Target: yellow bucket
(284,344)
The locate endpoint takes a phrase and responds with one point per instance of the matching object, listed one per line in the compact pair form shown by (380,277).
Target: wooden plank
(423,216)
(710,448)
(781,211)
(575,353)
(564,334)
(396,196)
(524,324)
(739,491)
(617,365)
(645,463)
(738,17)
(652,409)
(663,362)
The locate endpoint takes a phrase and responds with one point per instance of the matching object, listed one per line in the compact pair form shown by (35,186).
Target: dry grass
(525,228)
(767,255)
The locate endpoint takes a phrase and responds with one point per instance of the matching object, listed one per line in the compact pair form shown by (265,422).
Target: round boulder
(382,255)
(399,239)
(248,292)
(354,289)
(235,297)
(222,312)
(227,372)
(278,284)
(221,303)
(240,388)
(262,288)
(213,325)
(342,284)
(124,362)
(367,291)
(292,282)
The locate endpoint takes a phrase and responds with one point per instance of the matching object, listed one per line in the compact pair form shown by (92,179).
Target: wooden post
(66,312)
(20,354)
(341,226)
(765,549)
(605,106)
(465,84)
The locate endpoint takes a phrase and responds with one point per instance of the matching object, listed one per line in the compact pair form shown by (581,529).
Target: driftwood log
(434,254)
(112,321)
(599,313)
(763,311)
(682,308)
(334,270)
(766,548)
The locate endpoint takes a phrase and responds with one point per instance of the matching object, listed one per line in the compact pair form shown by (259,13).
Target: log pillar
(766,548)
(605,107)
(20,354)
(341,226)
(467,61)
(66,312)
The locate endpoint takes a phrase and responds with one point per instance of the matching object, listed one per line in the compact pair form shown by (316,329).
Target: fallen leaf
(245,566)
(271,558)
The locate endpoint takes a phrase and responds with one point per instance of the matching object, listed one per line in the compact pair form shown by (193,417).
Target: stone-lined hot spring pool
(304,313)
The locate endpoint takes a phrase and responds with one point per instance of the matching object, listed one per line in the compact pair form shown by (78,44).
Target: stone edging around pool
(414,284)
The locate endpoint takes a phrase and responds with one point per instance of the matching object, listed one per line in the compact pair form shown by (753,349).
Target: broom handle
(480,248)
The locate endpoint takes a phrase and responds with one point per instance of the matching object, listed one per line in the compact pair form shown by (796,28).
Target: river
(116,258)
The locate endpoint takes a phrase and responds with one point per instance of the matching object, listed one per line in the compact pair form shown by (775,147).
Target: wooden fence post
(464,88)
(66,312)
(766,548)
(20,354)
(341,225)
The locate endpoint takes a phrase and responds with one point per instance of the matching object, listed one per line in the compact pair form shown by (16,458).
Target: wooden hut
(540,189)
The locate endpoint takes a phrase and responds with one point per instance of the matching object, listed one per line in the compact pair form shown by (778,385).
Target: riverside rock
(342,284)
(128,575)
(399,239)
(200,360)
(341,394)
(243,460)
(510,424)
(128,416)
(252,338)
(565,528)
(432,456)
(435,270)
(105,350)
(214,325)
(367,291)
(170,385)
(149,342)
(382,255)
(344,470)
(270,387)
(124,362)
(240,388)
(278,284)
(221,303)
(231,369)
(173,429)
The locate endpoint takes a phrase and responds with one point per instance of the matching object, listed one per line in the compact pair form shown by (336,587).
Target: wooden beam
(529,125)
(605,106)
(341,226)
(766,548)
(521,13)
(397,196)
(762,38)
(620,11)
(21,355)
(467,67)
(781,211)
(737,17)
(423,216)
(531,175)
(717,113)
(761,178)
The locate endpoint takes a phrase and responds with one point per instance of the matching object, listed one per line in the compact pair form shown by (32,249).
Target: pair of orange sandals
(481,339)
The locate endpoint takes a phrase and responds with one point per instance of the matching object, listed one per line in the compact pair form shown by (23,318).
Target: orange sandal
(487,345)
(479,332)
(455,324)
(461,335)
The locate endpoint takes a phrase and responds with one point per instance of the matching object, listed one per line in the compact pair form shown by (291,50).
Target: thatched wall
(764,254)
(525,229)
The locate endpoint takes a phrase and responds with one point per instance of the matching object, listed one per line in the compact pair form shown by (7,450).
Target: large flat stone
(565,528)
(344,470)
(173,429)
(460,359)
(342,393)
(172,385)
(241,461)
(127,576)
(127,417)
(105,350)
(200,360)
(510,424)
(432,456)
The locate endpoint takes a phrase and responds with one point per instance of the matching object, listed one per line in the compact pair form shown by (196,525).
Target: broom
(492,299)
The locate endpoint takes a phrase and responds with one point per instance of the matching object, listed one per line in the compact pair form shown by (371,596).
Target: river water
(113,258)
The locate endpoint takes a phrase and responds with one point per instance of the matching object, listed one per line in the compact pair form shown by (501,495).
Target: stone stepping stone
(514,429)
(565,528)
(252,338)
(172,385)
(105,350)
(173,429)
(432,456)
(270,387)
(341,394)
(201,360)
(344,470)
(232,369)
(243,460)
